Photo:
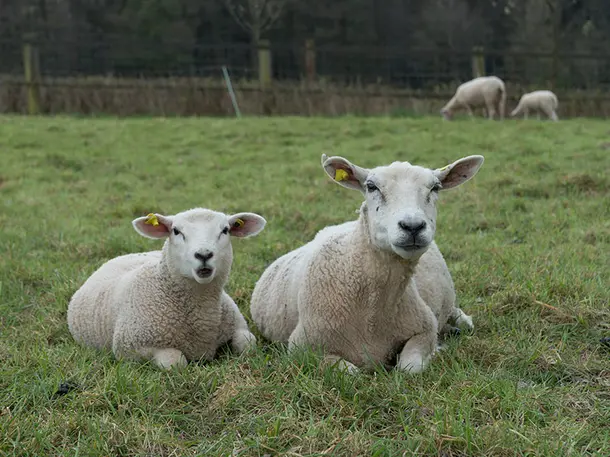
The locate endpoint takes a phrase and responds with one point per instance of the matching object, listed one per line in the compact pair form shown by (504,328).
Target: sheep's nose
(413,225)
(204,256)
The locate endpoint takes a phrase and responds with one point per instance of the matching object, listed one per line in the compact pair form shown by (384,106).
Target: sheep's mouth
(414,247)
(411,246)
(410,250)
(204,272)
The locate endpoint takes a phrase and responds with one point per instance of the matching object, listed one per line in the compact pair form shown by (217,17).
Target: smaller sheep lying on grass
(167,306)
(539,101)
(368,290)
(487,91)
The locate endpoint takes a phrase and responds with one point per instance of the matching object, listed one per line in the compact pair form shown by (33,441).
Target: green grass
(527,241)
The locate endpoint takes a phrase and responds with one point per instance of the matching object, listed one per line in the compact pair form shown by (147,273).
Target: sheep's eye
(371,187)
(176,231)
(225,230)
(436,187)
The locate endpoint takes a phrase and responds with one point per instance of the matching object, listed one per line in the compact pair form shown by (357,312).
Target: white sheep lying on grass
(487,91)
(539,101)
(359,289)
(168,306)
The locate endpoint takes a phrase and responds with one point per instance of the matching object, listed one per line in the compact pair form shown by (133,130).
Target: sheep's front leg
(235,327)
(341,364)
(417,352)
(298,339)
(420,348)
(243,340)
(525,113)
(164,358)
(462,320)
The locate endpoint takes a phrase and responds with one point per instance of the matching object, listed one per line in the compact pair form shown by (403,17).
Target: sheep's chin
(412,253)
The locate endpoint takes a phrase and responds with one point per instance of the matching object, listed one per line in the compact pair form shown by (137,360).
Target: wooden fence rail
(199,96)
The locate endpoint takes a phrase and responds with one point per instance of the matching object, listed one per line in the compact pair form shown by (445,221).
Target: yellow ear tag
(238,223)
(151,219)
(444,168)
(340,175)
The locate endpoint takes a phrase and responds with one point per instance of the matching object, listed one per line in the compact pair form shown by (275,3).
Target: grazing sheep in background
(540,101)
(168,306)
(487,91)
(360,289)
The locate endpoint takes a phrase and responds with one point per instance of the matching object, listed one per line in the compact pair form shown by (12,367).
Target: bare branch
(273,11)
(237,12)
(256,16)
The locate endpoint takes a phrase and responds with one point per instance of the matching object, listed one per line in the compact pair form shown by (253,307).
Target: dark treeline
(407,42)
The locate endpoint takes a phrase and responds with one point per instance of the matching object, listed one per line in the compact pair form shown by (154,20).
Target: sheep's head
(446,114)
(198,244)
(401,199)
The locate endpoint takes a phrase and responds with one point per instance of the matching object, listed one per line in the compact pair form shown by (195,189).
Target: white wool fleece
(539,101)
(487,91)
(167,306)
(354,290)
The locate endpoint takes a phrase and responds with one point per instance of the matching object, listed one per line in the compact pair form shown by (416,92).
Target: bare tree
(256,16)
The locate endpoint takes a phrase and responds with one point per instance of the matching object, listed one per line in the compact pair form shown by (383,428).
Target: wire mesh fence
(86,73)
(415,68)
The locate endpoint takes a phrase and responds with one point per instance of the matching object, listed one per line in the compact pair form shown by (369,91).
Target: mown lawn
(527,241)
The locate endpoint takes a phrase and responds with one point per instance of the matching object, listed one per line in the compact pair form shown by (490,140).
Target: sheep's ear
(153,226)
(345,173)
(244,225)
(459,171)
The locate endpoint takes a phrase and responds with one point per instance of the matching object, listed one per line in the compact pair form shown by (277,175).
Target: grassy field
(527,241)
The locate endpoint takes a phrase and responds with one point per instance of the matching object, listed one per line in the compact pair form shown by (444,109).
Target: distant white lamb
(167,306)
(488,91)
(539,101)
(359,290)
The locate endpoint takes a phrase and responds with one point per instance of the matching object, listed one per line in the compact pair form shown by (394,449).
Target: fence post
(264,63)
(31,69)
(310,60)
(478,61)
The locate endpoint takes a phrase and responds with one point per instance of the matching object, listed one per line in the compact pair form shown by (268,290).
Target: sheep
(367,290)
(538,100)
(167,306)
(488,91)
